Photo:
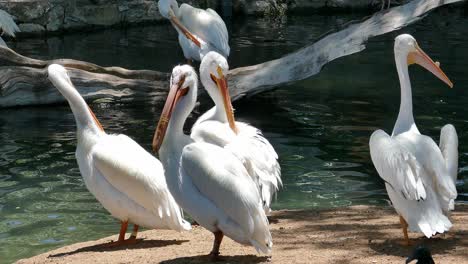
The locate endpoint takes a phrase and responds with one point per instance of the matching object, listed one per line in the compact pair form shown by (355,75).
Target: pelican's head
(168,8)
(180,100)
(58,75)
(213,71)
(407,46)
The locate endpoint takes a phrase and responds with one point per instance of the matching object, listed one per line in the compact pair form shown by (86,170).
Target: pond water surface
(320,127)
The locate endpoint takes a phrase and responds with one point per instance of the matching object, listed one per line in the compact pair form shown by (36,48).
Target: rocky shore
(42,16)
(356,234)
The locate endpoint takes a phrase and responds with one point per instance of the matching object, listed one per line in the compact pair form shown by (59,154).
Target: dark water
(320,127)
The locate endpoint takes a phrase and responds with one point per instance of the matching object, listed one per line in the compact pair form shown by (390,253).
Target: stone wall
(38,16)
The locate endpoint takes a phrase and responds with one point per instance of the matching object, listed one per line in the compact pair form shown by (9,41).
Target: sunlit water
(320,127)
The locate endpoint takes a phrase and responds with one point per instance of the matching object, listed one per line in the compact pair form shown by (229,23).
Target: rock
(307,4)
(97,15)
(58,15)
(139,11)
(28,28)
(55,18)
(350,4)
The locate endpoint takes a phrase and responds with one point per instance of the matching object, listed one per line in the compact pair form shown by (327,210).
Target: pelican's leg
(389,3)
(134,233)
(218,237)
(383,5)
(123,230)
(404,226)
(121,242)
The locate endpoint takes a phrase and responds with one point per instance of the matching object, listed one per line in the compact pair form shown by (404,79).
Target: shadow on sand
(140,244)
(221,259)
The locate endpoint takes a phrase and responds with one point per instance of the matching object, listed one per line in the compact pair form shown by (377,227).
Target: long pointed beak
(421,58)
(223,88)
(175,93)
(184,30)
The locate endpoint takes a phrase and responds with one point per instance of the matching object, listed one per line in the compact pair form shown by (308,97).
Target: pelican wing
(207,25)
(7,24)
(253,146)
(397,166)
(135,173)
(449,148)
(223,179)
(250,147)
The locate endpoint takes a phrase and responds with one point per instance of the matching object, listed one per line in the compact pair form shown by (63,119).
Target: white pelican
(207,181)
(419,176)
(200,31)
(127,180)
(217,126)
(8,26)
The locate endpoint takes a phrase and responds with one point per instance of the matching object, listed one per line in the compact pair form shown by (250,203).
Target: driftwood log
(24,80)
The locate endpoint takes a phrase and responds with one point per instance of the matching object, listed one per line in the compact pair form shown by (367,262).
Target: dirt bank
(357,234)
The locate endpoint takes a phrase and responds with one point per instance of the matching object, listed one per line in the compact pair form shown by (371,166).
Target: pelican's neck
(84,118)
(218,111)
(175,139)
(171,149)
(405,120)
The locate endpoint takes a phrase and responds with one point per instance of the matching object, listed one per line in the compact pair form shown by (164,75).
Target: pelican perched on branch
(200,31)
(419,175)
(127,180)
(217,126)
(208,181)
(7,26)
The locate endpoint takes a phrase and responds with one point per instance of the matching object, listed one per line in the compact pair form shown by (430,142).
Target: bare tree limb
(23,81)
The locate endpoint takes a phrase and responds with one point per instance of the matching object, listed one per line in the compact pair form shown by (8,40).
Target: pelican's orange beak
(175,94)
(420,57)
(221,83)
(184,30)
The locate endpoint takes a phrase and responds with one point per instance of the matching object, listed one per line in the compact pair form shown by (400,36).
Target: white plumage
(247,143)
(127,180)
(7,25)
(208,181)
(419,176)
(196,25)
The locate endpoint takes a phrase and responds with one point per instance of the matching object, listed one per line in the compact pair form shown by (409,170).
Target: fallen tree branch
(23,81)
(309,60)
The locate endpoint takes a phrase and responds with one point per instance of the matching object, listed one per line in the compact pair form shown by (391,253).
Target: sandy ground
(357,234)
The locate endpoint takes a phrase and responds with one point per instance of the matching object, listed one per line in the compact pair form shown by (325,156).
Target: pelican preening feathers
(226,173)
(200,31)
(419,175)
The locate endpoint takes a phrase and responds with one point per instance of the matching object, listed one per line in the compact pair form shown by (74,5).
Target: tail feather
(431,227)
(261,237)
(174,213)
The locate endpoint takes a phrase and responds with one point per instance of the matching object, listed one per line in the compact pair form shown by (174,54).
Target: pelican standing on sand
(217,126)
(419,175)
(207,181)
(127,180)
(200,31)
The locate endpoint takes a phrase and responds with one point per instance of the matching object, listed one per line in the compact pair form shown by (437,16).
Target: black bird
(422,255)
